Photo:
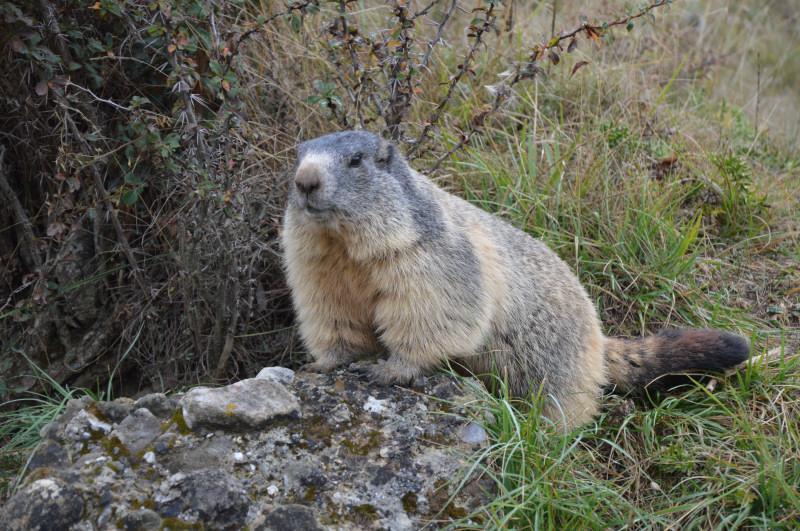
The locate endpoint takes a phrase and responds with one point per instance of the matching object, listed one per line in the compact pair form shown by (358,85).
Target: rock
(159,404)
(287,518)
(50,430)
(144,519)
(244,406)
(327,452)
(83,424)
(138,430)
(212,498)
(341,414)
(472,433)
(374,405)
(117,410)
(49,454)
(45,504)
(214,452)
(278,374)
(73,406)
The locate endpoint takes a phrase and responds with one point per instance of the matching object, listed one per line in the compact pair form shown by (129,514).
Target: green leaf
(111,7)
(130,196)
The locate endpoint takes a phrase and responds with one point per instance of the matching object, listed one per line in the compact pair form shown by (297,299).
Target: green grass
(22,422)
(24,418)
(700,460)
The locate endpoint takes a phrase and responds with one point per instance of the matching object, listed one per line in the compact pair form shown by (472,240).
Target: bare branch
(102,194)
(10,198)
(528,71)
(424,62)
(488,23)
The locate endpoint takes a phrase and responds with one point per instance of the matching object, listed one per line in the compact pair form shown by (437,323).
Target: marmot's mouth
(316,212)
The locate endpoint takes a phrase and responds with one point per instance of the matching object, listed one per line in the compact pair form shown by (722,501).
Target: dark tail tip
(659,362)
(704,349)
(737,347)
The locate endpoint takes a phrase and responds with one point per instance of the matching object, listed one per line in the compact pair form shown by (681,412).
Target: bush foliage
(135,196)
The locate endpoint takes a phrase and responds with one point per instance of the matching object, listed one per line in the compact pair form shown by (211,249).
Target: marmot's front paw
(317,366)
(388,374)
(328,361)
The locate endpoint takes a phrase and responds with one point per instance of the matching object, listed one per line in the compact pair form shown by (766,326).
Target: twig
(355,64)
(424,12)
(529,71)
(465,138)
(603,27)
(102,194)
(246,35)
(96,97)
(488,22)
(424,62)
(19,213)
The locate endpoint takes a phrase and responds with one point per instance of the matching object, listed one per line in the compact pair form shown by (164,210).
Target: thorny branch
(445,17)
(520,72)
(478,32)
(290,7)
(10,198)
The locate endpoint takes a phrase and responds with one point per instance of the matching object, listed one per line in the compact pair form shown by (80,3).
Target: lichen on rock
(310,451)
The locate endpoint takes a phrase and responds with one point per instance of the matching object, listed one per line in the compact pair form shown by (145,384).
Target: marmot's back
(379,258)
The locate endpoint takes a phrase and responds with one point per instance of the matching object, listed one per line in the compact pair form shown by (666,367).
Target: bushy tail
(655,363)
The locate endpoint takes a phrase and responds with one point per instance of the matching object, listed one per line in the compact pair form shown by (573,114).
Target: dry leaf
(579,64)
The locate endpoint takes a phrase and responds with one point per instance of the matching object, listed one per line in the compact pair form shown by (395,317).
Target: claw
(386,375)
(358,369)
(316,367)
(417,381)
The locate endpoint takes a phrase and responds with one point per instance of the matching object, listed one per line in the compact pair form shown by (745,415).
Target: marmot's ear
(385,154)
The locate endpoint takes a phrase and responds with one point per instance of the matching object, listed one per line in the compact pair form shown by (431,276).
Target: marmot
(379,258)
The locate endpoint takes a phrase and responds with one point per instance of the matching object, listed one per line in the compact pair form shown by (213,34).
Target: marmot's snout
(309,186)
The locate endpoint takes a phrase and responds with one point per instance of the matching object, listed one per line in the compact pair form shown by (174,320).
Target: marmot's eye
(355,161)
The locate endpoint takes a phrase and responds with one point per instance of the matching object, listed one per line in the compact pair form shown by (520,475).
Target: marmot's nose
(308,179)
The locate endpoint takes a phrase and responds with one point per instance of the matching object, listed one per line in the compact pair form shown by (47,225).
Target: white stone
(374,405)
(246,405)
(278,374)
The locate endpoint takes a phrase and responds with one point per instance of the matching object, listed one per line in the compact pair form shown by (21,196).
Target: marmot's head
(360,186)
(342,175)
